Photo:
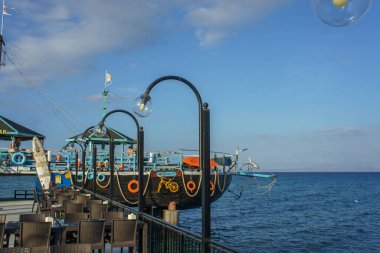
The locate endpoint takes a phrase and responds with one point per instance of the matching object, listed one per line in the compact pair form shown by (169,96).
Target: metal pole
(205,163)
(84,166)
(112,167)
(94,154)
(1,49)
(76,167)
(140,166)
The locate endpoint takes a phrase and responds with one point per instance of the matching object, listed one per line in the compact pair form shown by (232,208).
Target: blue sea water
(305,212)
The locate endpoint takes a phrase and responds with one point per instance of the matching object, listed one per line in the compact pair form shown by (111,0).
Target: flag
(5,11)
(108,78)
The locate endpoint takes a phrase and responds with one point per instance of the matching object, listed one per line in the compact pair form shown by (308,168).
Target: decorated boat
(168,176)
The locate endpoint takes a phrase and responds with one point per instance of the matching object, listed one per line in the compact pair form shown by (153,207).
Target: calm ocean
(305,212)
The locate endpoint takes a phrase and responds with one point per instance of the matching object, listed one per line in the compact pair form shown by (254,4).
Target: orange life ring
(190,185)
(79,164)
(99,164)
(135,188)
(212,186)
(58,158)
(121,166)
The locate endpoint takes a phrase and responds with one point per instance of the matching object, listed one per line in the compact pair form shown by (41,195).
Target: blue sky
(300,95)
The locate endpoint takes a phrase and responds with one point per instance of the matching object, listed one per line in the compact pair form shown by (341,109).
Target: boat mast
(107,83)
(1,33)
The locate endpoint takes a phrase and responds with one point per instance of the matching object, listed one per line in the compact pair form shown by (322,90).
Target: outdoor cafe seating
(71,225)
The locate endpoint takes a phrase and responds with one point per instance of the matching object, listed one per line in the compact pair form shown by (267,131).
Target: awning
(118,138)
(10,129)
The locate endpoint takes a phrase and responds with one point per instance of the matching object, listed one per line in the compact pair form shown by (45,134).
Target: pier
(153,234)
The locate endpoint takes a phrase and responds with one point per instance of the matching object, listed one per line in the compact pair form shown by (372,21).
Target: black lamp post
(142,108)
(84,150)
(69,147)
(100,130)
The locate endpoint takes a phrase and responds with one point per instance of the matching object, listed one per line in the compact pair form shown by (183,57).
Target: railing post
(112,167)
(140,166)
(205,163)
(84,167)
(94,154)
(76,167)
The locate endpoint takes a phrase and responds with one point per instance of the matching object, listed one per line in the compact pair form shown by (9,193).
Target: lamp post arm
(177,78)
(122,111)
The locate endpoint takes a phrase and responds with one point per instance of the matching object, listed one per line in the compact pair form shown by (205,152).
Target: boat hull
(159,189)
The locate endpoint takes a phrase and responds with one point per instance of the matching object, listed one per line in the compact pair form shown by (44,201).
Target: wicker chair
(109,216)
(92,232)
(3,217)
(74,218)
(15,250)
(81,199)
(26,217)
(96,210)
(35,235)
(60,197)
(93,201)
(71,207)
(71,248)
(2,228)
(123,234)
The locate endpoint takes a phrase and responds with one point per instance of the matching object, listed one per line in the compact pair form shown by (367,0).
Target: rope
(184,184)
(122,192)
(213,190)
(224,181)
(267,187)
(64,116)
(103,186)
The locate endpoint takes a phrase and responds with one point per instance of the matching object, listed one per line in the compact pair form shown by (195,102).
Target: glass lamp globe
(142,109)
(99,131)
(80,139)
(340,12)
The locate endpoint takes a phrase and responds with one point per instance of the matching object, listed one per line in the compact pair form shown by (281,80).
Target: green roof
(118,138)
(10,129)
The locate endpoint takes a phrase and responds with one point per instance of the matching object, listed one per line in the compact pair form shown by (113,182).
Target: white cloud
(56,39)
(218,18)
(342,133)
(61,39)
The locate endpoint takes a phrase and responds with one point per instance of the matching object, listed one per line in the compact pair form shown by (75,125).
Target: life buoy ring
(191,185)
(80,178)
(99,164)
(90,175)
(121,166)
(212,186)
(133,186)
(101,177)
(19,158)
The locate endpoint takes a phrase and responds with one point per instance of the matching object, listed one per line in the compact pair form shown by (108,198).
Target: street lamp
(142,107)
(340,12)
(69,147)
(81,140)
(100,131)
